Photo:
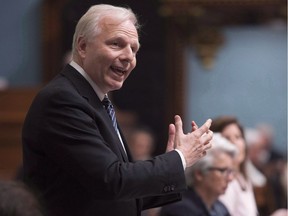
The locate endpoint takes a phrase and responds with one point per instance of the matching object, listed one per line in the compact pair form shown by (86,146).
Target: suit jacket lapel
(82,86)
(87,92)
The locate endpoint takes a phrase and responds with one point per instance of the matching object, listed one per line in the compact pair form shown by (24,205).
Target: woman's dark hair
(220,123)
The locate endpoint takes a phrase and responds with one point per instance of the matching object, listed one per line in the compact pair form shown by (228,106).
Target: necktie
(110,110)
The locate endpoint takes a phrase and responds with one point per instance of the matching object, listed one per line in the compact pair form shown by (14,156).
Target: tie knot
(106,102)
(110,110)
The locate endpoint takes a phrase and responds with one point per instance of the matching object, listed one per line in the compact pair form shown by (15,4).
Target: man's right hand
(192,145)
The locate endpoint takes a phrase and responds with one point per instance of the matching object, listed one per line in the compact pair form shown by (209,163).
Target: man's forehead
(113,22)
(118,29)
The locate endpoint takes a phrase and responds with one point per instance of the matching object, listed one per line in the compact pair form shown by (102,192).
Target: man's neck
(80,69)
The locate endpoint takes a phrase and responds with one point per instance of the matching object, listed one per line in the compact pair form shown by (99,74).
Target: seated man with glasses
(206,180)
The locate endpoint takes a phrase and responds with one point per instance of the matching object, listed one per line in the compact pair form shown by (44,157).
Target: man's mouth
(118,70)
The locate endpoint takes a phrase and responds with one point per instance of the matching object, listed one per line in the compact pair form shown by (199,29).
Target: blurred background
(199,59)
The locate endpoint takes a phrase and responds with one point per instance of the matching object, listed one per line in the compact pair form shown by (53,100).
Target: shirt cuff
(182,158)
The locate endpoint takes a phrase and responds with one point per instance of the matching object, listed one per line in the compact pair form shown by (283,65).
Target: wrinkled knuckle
(206,128)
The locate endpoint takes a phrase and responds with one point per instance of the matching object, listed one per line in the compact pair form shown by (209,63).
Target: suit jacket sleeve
(156,201)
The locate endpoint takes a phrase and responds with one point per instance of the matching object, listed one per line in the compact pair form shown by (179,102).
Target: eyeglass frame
(223,170)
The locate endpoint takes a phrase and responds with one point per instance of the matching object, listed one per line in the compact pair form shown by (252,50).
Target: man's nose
(127,54)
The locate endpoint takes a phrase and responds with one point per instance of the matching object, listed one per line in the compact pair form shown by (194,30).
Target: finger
(199,149)
(203,153)
(203,129)
(178,125)
(194,126)
(171,138)
(207,146)
(206,138)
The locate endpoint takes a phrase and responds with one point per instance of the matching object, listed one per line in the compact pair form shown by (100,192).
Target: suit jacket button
(172,187)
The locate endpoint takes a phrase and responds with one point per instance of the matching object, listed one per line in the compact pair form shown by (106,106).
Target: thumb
(171,138)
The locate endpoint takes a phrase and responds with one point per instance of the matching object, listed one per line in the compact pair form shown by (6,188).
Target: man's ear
(81,46)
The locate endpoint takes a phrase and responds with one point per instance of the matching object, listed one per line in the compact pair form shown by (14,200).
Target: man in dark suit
(74,154)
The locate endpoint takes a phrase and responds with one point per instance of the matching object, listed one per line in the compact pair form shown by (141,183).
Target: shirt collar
(97,90)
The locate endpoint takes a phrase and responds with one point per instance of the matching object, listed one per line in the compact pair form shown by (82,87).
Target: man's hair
(89,24)
(219,145)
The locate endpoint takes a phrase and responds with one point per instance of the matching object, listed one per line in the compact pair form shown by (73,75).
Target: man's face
(110,56)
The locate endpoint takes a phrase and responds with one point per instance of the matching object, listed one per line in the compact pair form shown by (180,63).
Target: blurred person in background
(17,200)
(239,197)
(271,163)
(262,151)
(141,141)
(207,180)
(283,182)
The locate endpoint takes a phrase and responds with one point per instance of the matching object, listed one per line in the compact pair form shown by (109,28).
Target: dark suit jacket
(73,159)
(192,205)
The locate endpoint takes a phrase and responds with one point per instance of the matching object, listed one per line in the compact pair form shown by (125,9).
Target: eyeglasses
(224,171)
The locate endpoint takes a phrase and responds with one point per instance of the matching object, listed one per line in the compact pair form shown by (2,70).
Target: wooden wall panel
(14,104)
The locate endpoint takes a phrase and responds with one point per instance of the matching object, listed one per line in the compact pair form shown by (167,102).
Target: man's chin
(117,86)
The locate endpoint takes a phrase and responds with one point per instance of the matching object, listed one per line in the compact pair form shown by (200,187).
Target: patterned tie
(110,110)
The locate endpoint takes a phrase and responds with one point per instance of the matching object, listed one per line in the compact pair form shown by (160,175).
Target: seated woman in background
(239,197)
(206,181)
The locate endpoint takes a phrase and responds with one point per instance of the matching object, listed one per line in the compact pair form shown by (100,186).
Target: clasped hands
(193,145)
